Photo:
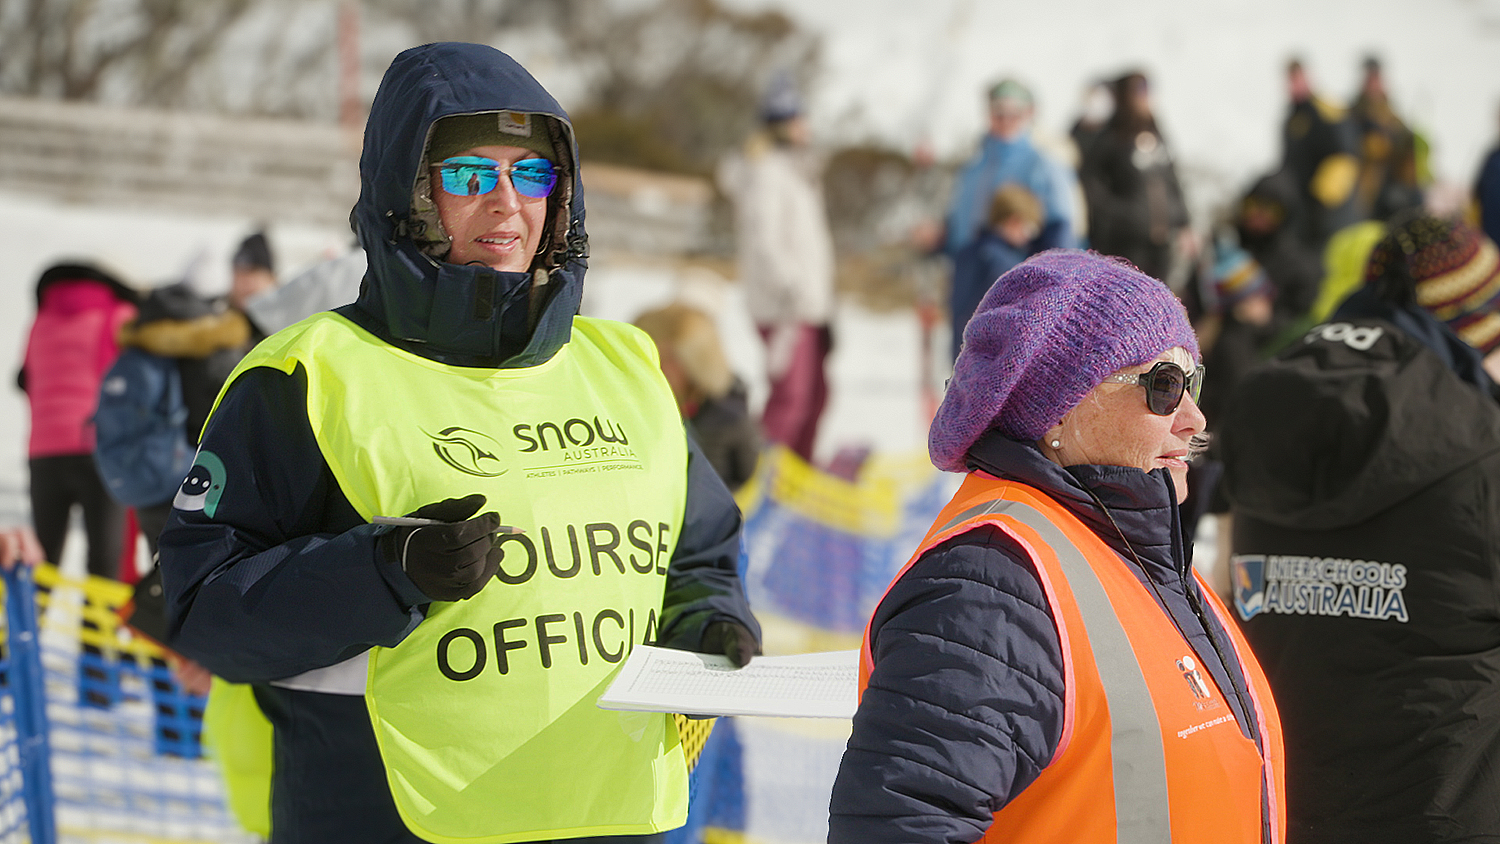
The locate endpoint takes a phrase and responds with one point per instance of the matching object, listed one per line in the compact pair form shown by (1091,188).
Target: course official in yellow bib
(436,679)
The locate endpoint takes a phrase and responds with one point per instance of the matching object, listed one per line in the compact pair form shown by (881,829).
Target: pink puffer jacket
(72,344)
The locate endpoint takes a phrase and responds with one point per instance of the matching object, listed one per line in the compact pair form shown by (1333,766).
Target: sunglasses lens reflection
(533,178)
(469,175)
(468,178)
(1164,392)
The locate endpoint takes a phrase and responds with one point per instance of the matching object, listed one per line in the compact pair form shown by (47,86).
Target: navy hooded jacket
(286,577)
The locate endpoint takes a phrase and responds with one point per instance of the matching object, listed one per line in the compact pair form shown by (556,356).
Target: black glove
(450,561)
(731,639)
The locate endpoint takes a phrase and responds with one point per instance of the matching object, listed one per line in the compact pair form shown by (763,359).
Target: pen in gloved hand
(413,521)
(447,551)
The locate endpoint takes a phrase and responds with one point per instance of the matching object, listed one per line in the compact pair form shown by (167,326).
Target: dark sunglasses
(1165,385)
(472,175)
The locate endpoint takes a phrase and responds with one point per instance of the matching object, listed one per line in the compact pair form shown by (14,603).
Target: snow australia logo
(573,434)
(468,451)
(576,446)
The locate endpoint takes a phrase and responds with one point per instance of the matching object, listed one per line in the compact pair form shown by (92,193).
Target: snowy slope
(875,367)
(902,71)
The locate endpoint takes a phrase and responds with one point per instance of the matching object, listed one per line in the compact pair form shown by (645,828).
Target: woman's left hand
(19,545)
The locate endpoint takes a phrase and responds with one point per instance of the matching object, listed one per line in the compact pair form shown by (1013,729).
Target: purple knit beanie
(1047,333)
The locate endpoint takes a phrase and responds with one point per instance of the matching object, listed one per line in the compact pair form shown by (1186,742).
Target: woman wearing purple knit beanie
(1047,667)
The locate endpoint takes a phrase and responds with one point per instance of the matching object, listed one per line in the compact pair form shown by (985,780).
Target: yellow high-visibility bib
(485,715)
(239,738)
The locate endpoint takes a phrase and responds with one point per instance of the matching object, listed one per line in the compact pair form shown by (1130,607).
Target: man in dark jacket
(449,386)
(1361,465)
(1319,153)
(1266,222)
(1136,206)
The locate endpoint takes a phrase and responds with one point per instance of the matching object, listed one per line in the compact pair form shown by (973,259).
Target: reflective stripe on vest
(485,714)
(1136,753)
(1147,754)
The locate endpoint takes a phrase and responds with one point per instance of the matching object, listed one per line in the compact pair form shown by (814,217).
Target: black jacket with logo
(285,577)
(1364,475)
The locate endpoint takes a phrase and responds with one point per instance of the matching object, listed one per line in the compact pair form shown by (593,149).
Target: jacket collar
(1134,512)
(993,147)
(1464,360)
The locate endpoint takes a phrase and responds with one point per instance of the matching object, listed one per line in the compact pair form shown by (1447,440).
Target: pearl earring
(1057,443)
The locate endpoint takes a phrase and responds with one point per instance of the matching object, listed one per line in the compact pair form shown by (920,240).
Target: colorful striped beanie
(1454,274)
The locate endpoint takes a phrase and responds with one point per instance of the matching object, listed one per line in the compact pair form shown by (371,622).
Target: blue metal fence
(24,722)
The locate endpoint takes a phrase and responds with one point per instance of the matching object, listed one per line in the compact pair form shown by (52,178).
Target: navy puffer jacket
(967,630)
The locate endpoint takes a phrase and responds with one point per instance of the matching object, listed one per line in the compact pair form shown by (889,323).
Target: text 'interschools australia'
(1321,586)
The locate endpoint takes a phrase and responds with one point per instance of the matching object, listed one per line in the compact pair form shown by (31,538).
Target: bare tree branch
(147,48)
(675,81)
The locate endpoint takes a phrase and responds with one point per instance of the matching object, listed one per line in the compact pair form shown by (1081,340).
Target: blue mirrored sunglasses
(473,175)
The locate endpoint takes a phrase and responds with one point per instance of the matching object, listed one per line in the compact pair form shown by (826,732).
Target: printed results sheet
(819,685)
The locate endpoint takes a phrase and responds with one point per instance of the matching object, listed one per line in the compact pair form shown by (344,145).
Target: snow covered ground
(903,72)
(875,369)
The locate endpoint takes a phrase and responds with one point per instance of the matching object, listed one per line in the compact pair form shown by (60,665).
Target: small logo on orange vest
(1189,668)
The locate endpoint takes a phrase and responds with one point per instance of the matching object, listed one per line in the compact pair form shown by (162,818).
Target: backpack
(141,442)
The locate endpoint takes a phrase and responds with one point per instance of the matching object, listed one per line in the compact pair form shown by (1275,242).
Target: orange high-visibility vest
(1150,750)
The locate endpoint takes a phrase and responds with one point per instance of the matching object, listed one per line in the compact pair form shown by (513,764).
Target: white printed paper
(820,685)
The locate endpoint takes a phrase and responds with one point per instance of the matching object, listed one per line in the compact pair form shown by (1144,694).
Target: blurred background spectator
(1014,219)
(71,343)
(1319,154)
(711,397)
(1487,193)
(785,263)
(252,275)
(1135,204)
(1390,165)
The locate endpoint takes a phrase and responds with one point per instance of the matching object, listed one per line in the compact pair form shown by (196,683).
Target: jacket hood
(1353,419)
(59,273)
(175,302)
(467,315)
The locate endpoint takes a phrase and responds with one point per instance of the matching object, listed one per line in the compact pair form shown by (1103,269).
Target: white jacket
(322,287)
(785,247)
